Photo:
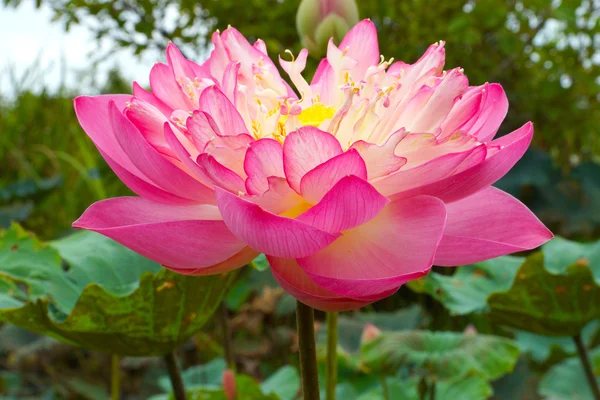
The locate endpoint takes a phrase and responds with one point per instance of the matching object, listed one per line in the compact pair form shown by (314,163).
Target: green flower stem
(587,367)
(223,318)
(384,388)
(175,376)
(115,379)
(332,362)
(305,320)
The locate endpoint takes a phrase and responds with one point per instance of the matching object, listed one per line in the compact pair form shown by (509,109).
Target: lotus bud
(370,333)
(319,20)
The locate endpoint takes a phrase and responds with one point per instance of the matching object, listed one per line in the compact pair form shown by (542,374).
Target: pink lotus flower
(374,173)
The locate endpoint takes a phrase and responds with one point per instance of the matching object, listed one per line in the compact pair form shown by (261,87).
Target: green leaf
(468,289)
(285,383)
(206,376)
(546,303)
(541,348)
(122,304)
(442,355)
(350,331)
(561,253)
(471,387)
(567,381)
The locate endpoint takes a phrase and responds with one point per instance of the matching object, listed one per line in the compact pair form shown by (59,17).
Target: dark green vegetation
(501,328)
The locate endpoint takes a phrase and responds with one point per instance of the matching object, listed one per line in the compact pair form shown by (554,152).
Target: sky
(27,34)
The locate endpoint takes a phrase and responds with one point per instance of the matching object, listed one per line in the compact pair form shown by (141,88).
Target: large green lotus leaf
(100,295)
(550,304)
(561,253)
(567,381)
(442,355)
(544,349)
(468,289)
(285,383)
(350,330)
(471,387)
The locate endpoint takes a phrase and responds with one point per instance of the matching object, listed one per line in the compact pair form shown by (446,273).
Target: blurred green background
(544,53)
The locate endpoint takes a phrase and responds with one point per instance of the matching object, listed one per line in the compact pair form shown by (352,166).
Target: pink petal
(148,97)
(278,197)
(179,64)
(305,149)
(350,203)
(232,158)
(488,224)
(143,187)
(185,157)
(230,80)
(409,180)
(150,122)
(268,233)
(436,108)
(241,258)
(324,82)
(200,129)
(165,88)
(228,120)
(160,171)
(93,115)
(220,175)
(317,182)
(187,237)
(381,160)
(493,111)
(292,278)
(496,165)
(396,246)
(363,46)
(420,148)
(264,158)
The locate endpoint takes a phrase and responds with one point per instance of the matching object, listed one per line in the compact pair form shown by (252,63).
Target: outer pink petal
(269,233)
(144,187)
(381,160)
(350,203)
(363,46)
(488,224)
(396,246)
(317,182)
(186,237)
(296,282)
(471,180)
(93,115)
(228,120)
(165,88)
(305,149)
(239,259)
(263,159)
(159,170)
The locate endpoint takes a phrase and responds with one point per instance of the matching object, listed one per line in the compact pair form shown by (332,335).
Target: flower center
(315,114)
